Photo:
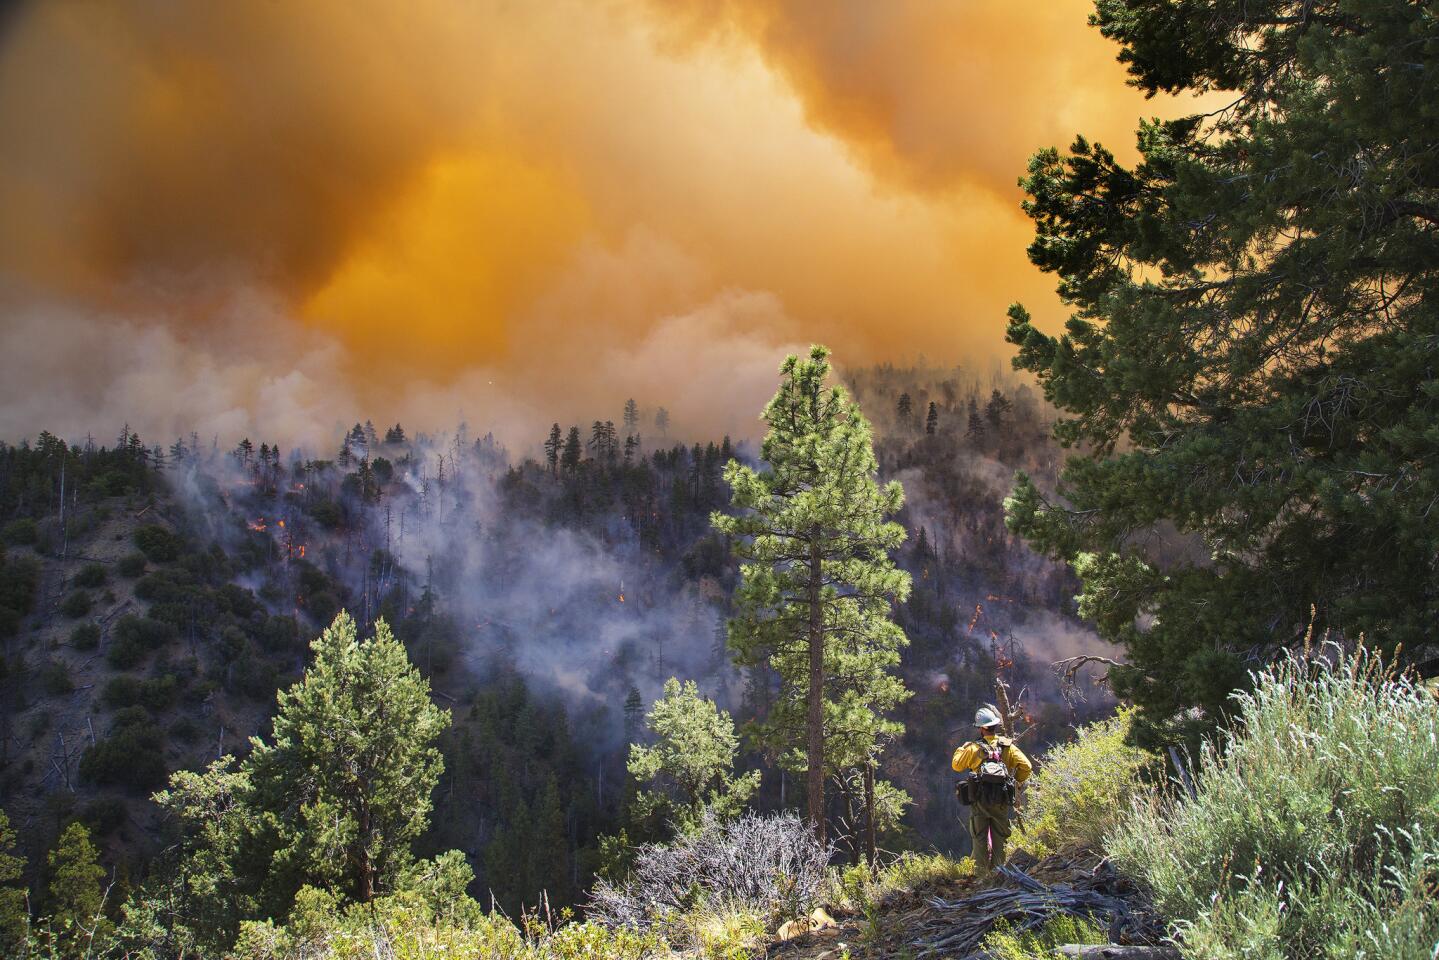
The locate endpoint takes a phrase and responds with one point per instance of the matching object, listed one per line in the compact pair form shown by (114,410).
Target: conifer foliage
(76,923)
(332,801)
(14,910)
(353,755)
(817,583)
(1253,356)
(691,766)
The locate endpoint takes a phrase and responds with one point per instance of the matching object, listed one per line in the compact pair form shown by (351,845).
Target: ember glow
(223,217)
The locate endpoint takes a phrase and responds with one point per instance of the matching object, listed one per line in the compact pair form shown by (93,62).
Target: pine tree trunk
(815,725)
(869,845)
(367,867)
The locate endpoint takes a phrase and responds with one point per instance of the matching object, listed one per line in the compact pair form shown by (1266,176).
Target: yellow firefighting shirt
(968,757)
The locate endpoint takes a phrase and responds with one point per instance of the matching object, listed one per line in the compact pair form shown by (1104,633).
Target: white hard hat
(986,717)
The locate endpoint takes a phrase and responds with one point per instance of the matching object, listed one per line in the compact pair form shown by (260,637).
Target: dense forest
(157,596)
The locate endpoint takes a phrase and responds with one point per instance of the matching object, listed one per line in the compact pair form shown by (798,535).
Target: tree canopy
(333,800)
(1251,358)
(690,768)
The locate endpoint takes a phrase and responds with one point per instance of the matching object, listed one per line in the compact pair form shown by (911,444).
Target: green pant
(988,829)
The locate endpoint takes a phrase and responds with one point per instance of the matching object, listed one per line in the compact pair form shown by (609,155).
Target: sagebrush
(766,866)
(1314,828)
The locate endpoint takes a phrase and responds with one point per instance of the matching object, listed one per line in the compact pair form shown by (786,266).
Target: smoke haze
(262,218)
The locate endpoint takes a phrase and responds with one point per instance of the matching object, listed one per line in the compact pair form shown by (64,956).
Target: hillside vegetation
(1305,829)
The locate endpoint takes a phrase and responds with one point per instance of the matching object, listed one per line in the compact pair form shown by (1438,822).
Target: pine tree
(1253,353)
(14,911)
(546,852)
(662,421)
(690,769)
(975,431)
(817,582)
(351,765)
(570,457)
(997,410)
(612,442)
(634,714)
(931,419)
(553,444)
(632,416)
(395,435)
(906,407)
(75,924)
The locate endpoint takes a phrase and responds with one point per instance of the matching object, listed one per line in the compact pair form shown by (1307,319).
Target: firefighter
(998,768)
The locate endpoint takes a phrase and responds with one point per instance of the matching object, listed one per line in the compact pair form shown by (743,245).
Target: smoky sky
(251,217)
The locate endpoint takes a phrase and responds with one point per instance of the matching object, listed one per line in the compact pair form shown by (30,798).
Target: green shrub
(19,584)
(157,544)
(55,678)
(134,638)
(1081,789)
(129,757)
(91,575)
(184,730)
(131,565)
(85,636)
(279,635)
(166,586)
(1314,825)
(405,927)
(906,874)
(1006,943)
(21,532)
(156,693)
(76,604)
(121,691)
(103,815)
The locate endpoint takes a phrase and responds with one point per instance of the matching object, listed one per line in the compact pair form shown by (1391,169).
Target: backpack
(992,782)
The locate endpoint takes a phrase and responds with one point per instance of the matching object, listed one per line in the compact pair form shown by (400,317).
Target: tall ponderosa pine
(1253,357)
(817,583)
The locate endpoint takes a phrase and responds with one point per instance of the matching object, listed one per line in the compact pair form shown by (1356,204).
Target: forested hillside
(624,688)
(158,596)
